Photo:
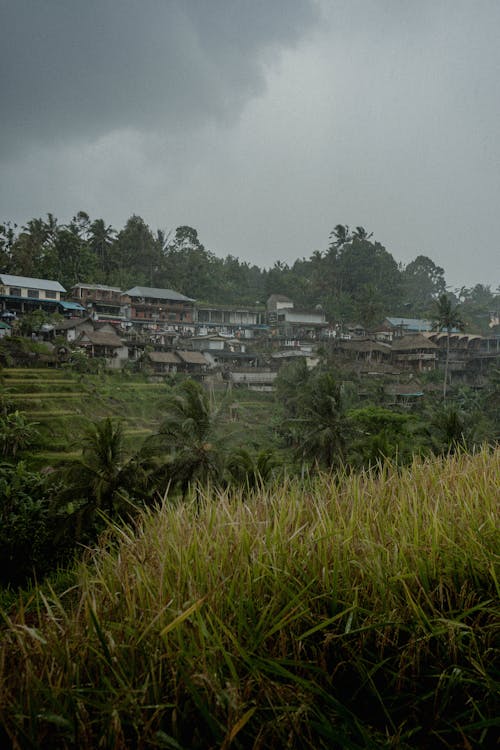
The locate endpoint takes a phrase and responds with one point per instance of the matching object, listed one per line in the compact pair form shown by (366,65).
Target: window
(33,293)
(15,291)
(50,294)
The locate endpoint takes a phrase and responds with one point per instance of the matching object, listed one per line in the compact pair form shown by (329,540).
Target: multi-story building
(159,307)
(102,302)
(22,294)
(246,321)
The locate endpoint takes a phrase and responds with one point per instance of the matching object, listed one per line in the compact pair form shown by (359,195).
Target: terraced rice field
(62,403)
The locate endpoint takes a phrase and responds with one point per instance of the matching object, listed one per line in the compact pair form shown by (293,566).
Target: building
(155,308)
(22,294)
(104,344)
(402,326)
(415,352)
(232,319)
(102,302)
(295,325)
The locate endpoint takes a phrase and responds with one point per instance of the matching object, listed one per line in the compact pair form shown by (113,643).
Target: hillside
(61,403)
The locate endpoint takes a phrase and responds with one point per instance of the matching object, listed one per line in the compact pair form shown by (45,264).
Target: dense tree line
(354,279)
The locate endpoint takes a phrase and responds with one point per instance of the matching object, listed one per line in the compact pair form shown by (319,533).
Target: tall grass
(351,612)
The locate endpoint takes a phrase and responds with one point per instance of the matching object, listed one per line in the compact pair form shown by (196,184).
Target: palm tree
(252,470)
(187,443)
(104,477)
(446,318)
(101,240)
(321,429)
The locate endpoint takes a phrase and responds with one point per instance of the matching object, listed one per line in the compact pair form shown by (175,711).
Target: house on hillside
(71,329)
(153,308)
(103,344)
(404,394)
(164,363)
(192,362)
(415,352)
(365,350)
(102,302)
(22,294)
(246,322)
(403,326)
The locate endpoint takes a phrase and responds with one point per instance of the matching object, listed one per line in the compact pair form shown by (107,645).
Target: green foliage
(187,446)
(355,278)
(379,434)
(16,434)
(423,283)
(28,529)
(313,409)
(104,480)
(250,469)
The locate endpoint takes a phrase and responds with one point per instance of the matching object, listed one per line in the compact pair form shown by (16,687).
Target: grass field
(341,612)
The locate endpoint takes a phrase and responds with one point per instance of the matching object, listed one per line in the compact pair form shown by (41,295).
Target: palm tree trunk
(446,365)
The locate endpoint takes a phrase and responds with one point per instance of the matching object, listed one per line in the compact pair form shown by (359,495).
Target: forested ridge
(354,277)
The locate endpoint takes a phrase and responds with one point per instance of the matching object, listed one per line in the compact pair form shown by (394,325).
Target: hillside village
(165,332)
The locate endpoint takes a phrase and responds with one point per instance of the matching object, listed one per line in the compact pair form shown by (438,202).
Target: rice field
(356,611)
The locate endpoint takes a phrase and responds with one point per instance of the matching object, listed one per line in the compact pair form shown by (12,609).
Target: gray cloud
(72,69)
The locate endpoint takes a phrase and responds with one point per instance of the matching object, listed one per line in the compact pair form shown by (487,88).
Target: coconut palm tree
(321,428)
(187,446)
(103,479)
(446,318)
(252,470)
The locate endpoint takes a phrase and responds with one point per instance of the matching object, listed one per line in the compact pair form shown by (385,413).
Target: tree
(379,434)
(446,317)
(136,254)
(321,427)
(104,478)
(101,239)
(187,444)
(251,470)
(423,283)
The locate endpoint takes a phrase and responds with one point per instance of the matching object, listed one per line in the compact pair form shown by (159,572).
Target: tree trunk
(446,365)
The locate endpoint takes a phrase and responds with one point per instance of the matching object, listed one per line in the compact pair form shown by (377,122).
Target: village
(165,332)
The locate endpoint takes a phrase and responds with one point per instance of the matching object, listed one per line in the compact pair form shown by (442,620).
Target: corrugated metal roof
(152,293)
(411,324)
(70,305)
(30,283)
(98,287)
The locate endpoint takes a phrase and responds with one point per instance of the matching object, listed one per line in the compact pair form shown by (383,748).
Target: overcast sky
(261,123)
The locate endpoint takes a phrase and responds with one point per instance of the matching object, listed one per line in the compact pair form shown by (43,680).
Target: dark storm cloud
(81,68)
